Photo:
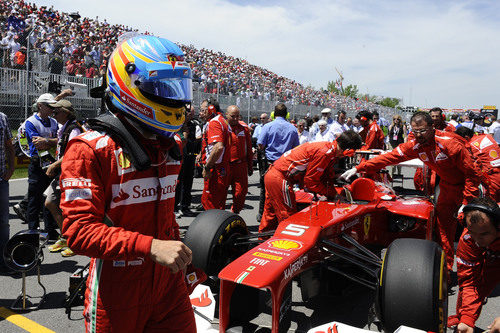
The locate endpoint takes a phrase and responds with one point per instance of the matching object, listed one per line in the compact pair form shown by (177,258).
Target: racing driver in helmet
(118,190)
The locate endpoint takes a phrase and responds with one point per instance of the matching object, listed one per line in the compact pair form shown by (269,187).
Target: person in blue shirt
(275,138)
(41,132)
(264,118)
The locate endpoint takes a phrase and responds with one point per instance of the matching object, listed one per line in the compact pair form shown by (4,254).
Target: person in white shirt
(325,115)
(324,134)
(356,126)
(339,126)
(303,134)
(494,124)
(454,120)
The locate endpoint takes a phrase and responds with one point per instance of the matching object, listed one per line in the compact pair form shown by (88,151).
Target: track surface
(350,307)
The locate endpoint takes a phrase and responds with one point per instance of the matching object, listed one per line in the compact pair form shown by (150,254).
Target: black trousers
(264,164)
(183,195)
(38,182)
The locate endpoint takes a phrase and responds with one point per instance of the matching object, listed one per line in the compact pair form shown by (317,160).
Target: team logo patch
(441,156)
(77,194)
(284,244)
(123,162)
(423,157)
(485,143)
(366,224)
(493,154)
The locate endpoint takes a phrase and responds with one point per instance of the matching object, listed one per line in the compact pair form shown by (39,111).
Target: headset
(493,213)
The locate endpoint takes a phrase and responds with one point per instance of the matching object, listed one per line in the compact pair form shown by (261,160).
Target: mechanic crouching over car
(311,166)
(446,154)
(118,191)
(478,261)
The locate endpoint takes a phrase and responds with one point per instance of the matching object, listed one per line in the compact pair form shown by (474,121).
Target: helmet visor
(173,89)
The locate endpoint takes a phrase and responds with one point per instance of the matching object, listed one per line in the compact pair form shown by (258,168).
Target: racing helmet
(149,81)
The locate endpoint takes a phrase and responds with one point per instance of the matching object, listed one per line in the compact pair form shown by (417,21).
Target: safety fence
(19,90)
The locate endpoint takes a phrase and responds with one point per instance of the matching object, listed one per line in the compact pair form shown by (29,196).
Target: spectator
(276,138)
(65,116)
(56,64)
(303,133)
(323,134)
(20,59)
(397,131)
(6,171)
(41,132)
(339,126)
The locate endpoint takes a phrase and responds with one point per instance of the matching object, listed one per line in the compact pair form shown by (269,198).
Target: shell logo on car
(285,244)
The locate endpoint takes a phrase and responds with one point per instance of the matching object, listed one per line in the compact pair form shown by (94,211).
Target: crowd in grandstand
(81,47)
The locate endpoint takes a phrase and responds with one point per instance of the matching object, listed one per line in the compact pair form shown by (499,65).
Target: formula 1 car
(410,281)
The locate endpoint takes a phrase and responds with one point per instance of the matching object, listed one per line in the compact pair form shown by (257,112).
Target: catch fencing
(19,90)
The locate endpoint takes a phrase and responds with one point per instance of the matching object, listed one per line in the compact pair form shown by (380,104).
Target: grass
(20,173)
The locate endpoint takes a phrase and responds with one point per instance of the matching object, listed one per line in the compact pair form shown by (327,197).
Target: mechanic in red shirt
(487,153)
(478,261)
(216,142)
(241,158)
(118,191)
(439,123)
(372,134)
(308,165)
(439,120)
(446,154)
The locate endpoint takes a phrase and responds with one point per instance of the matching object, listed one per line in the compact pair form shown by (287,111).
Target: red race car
(325,237)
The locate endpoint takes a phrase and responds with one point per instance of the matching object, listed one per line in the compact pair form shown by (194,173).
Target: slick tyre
(412,287)
(211,237)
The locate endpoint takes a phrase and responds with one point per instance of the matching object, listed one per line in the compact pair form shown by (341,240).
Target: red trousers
(280,200)
(158,303)
(449,201)
(238,179)
(215,189)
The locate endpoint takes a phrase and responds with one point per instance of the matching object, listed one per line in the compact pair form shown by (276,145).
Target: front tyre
(211,237)
(413,286)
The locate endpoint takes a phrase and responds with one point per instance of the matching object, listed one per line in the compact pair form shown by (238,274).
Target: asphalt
(349,306)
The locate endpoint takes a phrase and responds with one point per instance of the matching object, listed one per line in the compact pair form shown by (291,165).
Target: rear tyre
(211,237)
(412,289)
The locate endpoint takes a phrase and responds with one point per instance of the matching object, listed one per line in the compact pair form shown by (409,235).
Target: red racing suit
(429,176)
(111,213)
(215,188)
(486,151)
(373,136)
(307,165)
(241,160)
(449,157)
(478,274)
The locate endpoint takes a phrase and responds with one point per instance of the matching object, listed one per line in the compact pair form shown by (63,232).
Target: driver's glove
(349,174)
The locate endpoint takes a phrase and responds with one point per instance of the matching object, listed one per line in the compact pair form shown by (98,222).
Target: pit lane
(349,306)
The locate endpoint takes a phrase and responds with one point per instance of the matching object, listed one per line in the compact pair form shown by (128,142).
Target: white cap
(326,110)
(46,98)
(322,122)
